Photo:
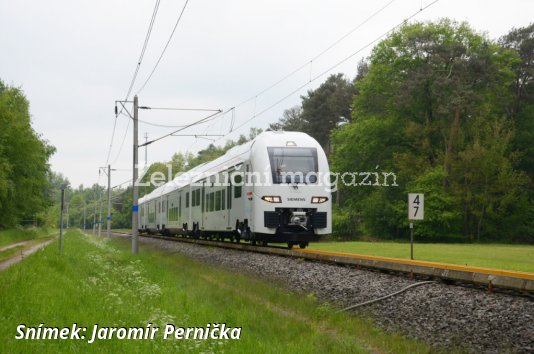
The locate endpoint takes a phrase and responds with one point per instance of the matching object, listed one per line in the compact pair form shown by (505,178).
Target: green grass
(99,282)
(510,257)
(18,235)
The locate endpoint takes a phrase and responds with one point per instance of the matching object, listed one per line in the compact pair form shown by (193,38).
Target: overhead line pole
(94,213)
(135,206)
(100,215)
(61,220)
(84,214)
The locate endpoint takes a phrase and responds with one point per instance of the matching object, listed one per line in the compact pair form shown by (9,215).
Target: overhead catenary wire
(317,56)
(154,124)
(132,82)
(143,50)
(149,77)
(203,120)
(264,90)
(256,115)
(164,49)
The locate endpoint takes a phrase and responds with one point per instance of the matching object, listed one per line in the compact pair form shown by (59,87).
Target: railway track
(521,282)
(447,317)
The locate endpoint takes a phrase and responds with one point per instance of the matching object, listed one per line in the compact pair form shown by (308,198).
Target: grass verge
(511,257)
(99,282)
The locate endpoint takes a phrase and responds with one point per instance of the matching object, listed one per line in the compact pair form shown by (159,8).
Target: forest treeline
(447,109)
(25,193)
(451,113)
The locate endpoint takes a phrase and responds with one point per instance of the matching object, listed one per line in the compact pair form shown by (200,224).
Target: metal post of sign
(61,221)
(411,240)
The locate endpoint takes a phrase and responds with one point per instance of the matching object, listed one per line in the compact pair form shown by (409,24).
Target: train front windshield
(293,164)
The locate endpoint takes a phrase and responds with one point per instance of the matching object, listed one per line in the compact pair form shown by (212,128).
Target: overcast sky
(73,59)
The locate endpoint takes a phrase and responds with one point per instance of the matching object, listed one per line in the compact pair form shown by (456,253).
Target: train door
(237,196)
(195,215)
(228,187)
(188,207)
(203,205)
(158,213)
(248,200)
(180,217)
(164,211)
(152,214)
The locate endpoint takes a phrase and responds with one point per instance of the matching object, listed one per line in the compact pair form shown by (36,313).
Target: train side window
(203,198)
(212,201)
(187,200)
(229,199)
(218,200)
(180,206)
(238,188)
(223,199)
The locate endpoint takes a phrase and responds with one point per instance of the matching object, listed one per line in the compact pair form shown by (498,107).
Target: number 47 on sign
(416,206)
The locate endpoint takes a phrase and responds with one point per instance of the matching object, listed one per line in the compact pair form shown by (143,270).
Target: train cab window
(293,164)
(238,187)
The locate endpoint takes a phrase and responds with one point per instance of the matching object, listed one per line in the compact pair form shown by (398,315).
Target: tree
(322,110)
(291,120)
(24,158)
(521,41)
(433,109)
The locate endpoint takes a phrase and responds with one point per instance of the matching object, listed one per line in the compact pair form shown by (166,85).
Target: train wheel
(264,243)
(303,245)
(289,245)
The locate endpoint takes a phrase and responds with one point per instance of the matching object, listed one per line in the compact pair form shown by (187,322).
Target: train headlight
(319,200)
(272,199)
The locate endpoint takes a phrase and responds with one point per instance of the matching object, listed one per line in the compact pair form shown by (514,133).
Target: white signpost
(416,211)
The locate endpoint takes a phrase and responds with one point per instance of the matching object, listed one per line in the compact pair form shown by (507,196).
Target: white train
(274,189)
